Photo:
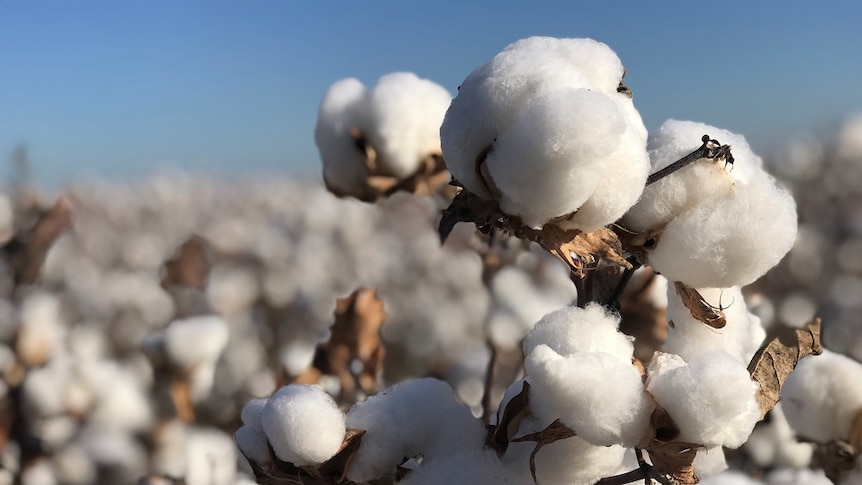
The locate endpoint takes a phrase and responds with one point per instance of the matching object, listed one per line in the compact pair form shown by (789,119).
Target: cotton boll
(252,411)
(695,184)
(730,241)
(343,108)
(552,121)
(563,462)
(210,458)
(42,328)
(712,400)
(475,466)
(710,462)
(405,114)
(822,396)
(574,389)
(571,329)
(689,338)
(411,418)
(192,341)
(252,443)
(303,424)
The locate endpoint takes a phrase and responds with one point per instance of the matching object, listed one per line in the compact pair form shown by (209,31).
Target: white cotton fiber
(563,462)
(822,395)
(710,461)
(562,138)
(697,183)
(252,411)
(689,338)
(712,400)
(571,329)
(804,476)
(303,424)
(731,240)
(774,444)
(575,388)
(474,466)
(731,477)
(343,108)
(404,118)
(418,417)
(195,340)
(252,443)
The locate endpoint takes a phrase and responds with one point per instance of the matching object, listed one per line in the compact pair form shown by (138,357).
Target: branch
(710,149)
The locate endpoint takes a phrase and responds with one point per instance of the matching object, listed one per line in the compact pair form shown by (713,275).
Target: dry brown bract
(700,309)
(331,472)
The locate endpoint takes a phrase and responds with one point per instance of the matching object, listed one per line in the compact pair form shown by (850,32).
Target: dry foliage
(355,337)
(771,365)
(554,432)
(25,252)
(700,309)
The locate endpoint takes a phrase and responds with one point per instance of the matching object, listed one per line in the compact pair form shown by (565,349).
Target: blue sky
(122,87)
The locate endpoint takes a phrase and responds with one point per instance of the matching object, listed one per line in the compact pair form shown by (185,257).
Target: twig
(710,149)
(614,300)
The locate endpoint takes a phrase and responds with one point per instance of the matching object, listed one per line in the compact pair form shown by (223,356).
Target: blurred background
(163,120)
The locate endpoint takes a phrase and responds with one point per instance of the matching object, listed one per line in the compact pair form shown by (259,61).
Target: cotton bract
(555,136)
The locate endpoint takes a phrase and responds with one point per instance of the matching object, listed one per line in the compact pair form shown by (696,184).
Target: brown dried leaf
(515,411)
(469,207)
(26,251)
(336,466)
(582,251)
(675,459)
(554,432)
(835,459)
(189,266)
(355,336)
(700,308)
(771,365)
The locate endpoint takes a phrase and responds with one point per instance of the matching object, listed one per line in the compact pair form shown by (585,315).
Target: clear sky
(121,87)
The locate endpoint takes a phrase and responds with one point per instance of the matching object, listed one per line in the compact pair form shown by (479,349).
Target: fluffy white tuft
(195,340)
(712,399)
(571,329)
(411,418)
(822,396)
(303,424)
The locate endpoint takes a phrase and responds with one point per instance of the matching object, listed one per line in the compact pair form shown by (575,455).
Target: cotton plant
(371,141)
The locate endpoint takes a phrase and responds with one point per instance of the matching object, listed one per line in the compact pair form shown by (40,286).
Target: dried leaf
(469,207)
(189,266)
(835,459)
(700,308)
(26,252)
(582,251)
(336,466)
(354,337)
(554,432)
(773,363)
(675,459)
(515,411)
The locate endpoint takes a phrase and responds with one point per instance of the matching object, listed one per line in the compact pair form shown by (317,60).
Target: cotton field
(518,284)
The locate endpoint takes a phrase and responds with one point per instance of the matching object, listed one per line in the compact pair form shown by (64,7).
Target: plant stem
(710,149)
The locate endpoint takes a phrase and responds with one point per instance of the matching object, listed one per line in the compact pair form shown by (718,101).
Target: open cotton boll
(474,466)
(252,411)
(343,108)
(303,424)
(553,158)
(689,338)
(252,443)
(563,462)
(195,340)
(730,241)
(822,395)
(404,118)
(571,329)
(574,389)
(712,400)
(699,182)
(710,462)
(512,97)
(411,418)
